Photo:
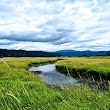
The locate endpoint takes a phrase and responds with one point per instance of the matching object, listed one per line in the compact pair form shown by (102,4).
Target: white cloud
(55,24)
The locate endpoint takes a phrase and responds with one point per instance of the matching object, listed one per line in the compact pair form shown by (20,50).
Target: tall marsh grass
(96,64)
(22,90)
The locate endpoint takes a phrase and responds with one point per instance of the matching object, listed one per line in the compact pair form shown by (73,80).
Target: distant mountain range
(24,53)
(83,53)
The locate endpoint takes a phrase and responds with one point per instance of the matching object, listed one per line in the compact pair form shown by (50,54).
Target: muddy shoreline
(82,73)
(94,80)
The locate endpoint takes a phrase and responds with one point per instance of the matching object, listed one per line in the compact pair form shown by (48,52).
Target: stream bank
(93,79)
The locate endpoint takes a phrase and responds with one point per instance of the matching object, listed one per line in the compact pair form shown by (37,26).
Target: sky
(51,25)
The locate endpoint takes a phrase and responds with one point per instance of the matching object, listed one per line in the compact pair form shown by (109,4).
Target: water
(51,76)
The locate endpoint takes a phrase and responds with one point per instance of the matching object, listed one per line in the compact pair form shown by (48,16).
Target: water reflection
(51,77)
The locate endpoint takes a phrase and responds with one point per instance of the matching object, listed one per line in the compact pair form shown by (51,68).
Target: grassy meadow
(23,90)
(96,65)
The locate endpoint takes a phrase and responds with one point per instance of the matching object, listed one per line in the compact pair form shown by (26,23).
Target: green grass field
(23,90)
(99,65)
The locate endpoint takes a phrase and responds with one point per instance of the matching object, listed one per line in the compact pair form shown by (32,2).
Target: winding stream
(51,76)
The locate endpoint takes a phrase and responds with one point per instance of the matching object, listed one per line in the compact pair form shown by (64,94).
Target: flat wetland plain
(23,90)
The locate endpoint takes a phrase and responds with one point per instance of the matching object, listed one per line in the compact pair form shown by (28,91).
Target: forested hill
(24,53)
(83,53)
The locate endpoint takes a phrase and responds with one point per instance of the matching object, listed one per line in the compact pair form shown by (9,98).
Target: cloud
(52,25)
